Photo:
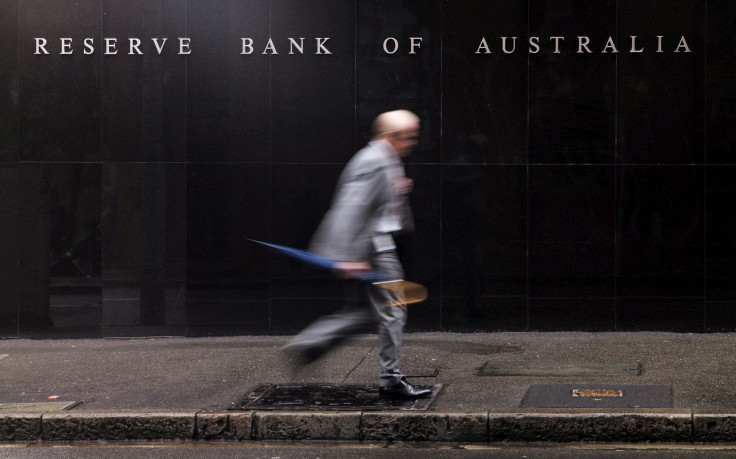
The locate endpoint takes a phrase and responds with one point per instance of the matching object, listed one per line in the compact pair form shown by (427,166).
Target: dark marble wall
(553,190)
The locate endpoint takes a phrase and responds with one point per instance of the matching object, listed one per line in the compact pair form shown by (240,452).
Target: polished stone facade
(553,191)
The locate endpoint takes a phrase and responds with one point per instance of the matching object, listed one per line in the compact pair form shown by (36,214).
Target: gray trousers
(390,321)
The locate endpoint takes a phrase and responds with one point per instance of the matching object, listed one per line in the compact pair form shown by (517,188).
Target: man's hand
(351,269)
(403,185)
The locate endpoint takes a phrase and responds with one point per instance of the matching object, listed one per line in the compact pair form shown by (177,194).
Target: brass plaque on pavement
(597,393)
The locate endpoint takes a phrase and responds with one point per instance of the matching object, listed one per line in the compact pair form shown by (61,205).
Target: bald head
(396,120)
(400,128)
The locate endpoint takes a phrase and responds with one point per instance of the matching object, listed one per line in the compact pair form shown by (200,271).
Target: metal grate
(330,397)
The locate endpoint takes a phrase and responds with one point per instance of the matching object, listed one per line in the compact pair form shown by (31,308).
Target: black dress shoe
(404,389)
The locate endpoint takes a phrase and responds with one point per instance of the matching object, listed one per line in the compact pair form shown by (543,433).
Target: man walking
(370,206)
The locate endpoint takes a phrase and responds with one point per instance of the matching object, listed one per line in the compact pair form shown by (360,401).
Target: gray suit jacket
(362,194)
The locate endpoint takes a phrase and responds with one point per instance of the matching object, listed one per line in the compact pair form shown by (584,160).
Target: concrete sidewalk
(184,388)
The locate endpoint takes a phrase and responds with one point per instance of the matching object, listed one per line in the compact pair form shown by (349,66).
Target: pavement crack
(357,365)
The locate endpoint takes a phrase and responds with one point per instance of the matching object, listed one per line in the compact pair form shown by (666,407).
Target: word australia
(583,45)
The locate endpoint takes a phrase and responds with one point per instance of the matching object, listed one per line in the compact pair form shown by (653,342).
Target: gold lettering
(597,393)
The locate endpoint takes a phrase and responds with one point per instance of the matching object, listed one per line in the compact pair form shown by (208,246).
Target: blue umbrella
(320,262)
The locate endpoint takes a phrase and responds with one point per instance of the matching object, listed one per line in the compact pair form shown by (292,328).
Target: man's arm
(351,269)
(345,232)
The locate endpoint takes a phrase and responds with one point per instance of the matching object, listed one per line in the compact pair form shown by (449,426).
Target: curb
(671,426)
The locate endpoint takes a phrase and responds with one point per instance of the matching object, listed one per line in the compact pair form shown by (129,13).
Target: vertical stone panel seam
(361,434)
(692,425)
(254,425)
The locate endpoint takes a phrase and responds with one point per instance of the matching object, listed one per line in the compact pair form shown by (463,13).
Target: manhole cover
(330,397)
(560,369)
(597,396)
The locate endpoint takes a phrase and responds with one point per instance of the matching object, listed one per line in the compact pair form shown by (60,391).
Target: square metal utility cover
(597,396)
(331,397)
